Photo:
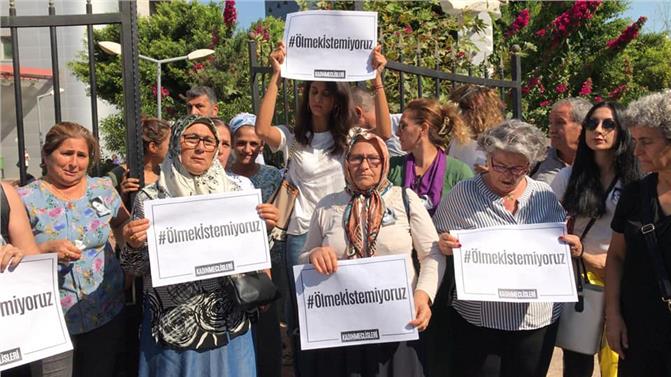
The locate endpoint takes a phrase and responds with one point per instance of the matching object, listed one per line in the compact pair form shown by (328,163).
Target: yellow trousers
(607,358)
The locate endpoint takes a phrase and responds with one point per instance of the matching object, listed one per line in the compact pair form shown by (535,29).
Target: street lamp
(39,113)
(114,48)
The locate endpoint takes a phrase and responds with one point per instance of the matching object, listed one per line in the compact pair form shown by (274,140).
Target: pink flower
(98,265)
(540,33)
(262,31)
(66,301)
(198,67)
(586,88)
(598,99)
(545,103)
(526,89)
(521,21)
(627,35)
(561,88)
(573,18)
(55,212)
(407,29)
(230,14)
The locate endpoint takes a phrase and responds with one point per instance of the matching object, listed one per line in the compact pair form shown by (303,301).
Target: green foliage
(176,29)
(551,63)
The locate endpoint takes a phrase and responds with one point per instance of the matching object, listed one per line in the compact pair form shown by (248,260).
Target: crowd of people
(370,184)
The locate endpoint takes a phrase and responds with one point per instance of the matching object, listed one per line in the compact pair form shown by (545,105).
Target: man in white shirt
(566,119)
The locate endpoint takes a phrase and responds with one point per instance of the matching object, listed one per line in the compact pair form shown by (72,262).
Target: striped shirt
(471,204)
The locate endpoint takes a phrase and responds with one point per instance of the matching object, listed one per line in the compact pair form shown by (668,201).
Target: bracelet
(378,87)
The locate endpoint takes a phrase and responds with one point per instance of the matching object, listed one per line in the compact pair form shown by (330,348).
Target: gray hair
(515,136)
(362,97)
(198,91)
(653,110)
(579,107)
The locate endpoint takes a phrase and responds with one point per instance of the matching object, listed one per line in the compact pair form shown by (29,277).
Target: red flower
(164,91)
(598,99)
(586,88)
(526,89)
(407,29)
(521,21)
(627,35)
(262,31)
(569,20)
(617,92)
(545,103)
(198,67)
(230,14)
(540,33)
(561,88)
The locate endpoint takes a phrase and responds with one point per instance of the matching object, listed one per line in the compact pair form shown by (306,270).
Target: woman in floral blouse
(73,215)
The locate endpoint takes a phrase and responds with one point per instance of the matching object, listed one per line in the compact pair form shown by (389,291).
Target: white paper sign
(31,318)
(205,236)
(368,300)
(514,263)
(327,45)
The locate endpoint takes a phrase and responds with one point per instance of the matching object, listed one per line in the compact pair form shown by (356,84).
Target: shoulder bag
(581,323)
(250,290)
(284,198)
(652,246)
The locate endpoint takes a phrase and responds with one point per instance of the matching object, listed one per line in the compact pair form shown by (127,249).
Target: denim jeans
(294,246)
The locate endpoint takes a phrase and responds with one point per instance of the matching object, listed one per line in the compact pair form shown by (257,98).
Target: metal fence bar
(60,20)
(131,85)
(92,80)
(56,77)
(20,135)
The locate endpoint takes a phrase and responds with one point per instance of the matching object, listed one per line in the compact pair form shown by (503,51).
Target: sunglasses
(607,124)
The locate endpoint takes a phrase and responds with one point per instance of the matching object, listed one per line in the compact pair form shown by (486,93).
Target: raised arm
(382,117)
(264,128)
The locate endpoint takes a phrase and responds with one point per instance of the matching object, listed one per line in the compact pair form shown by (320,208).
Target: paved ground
(555,367)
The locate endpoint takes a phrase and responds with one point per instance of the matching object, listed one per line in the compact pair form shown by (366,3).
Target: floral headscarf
(177,181)
(363,215)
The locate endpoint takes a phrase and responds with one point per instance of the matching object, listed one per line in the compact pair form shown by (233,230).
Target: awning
(30,73)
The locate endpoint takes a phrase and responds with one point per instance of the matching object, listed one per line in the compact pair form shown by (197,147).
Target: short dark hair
(198,91)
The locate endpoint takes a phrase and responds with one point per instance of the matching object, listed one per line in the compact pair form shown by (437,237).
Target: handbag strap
(650,237)
(581,269)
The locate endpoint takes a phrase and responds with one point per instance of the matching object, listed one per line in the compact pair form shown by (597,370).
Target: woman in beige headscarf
(374,223)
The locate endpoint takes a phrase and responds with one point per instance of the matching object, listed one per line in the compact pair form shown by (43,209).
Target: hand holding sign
(277,57)
(135,232)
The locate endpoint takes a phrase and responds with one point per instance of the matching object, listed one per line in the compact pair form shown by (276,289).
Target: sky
(252,10)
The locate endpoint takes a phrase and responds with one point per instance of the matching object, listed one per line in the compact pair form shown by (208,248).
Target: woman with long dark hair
(589,191)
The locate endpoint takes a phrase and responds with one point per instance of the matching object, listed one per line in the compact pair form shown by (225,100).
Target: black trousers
(646,357)
(578,364)
(481,351)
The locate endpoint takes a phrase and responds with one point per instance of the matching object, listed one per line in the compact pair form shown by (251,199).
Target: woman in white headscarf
(189,329)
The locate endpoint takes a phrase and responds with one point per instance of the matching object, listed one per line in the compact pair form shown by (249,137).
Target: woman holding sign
(503,338)
(589,191)
(638,266)
(190,329)
(73,215)
(370,219)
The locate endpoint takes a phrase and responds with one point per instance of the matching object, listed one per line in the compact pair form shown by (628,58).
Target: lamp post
(39,114)
(115,49)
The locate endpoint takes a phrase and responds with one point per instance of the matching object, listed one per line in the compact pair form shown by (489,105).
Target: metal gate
(126,17)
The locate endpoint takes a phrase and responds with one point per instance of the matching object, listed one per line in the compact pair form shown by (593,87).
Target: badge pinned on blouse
(99,206)
(389,217)
(428,204)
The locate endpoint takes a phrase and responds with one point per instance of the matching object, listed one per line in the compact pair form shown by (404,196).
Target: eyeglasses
(512,170)
(192,141)
(357,160)
(607,124)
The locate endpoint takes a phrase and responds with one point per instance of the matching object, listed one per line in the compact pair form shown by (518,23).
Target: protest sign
(368,300)
(31,318)
(205,236)
(514,263)
(329,45)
